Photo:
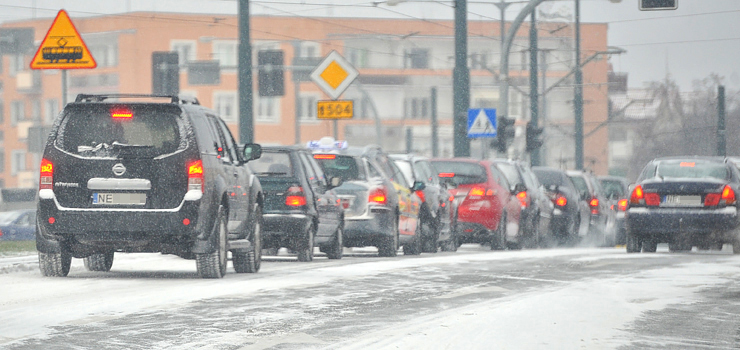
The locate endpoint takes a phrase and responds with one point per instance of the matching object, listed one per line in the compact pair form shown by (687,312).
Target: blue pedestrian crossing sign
(481,122)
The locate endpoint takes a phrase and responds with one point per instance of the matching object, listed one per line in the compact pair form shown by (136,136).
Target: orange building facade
(399,61)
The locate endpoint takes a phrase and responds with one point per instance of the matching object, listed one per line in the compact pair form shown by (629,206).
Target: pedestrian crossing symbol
(481,122)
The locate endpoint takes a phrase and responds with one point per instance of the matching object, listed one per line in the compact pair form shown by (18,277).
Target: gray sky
(700,38)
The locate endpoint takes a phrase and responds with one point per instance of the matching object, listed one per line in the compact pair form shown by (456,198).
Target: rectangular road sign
(481,122)
(339,109)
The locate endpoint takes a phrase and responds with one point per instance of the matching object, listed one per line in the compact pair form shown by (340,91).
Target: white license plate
(682,201)
(100,198)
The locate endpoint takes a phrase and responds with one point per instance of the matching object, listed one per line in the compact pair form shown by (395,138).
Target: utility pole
(533,90)
(543,100)
(435,132)
(502,5)
(578,93)
(246,121)
(721,141)
(461,82)
(297,95)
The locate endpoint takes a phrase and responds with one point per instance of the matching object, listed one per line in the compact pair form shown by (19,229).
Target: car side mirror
(335,181)
(520,187)
(252,151)
(418,186)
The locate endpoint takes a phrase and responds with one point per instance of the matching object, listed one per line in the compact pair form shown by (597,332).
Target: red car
(488,213)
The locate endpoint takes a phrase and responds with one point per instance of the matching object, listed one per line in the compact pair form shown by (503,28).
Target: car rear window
(272,163)
(92,131)
(692,169)
(344,167)
(581,185)
(613,188)
(462,173)
(550,178)
(512,175)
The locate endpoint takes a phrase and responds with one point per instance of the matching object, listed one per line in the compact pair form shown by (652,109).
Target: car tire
(389,245)
(414,248)
(336,249)
(99,262)
(55,264)
(634,244)
(532,239)
(649,246)
(736,247)
(213,265)
(304,245)
(498,237)
(251,261)
(429,243)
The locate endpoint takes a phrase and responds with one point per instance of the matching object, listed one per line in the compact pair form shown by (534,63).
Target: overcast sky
(700,38)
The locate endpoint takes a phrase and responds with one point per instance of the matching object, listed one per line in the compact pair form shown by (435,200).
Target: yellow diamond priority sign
(334,75)
(62,48)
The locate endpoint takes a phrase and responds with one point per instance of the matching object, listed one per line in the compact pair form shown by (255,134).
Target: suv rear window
(692,169)
(272,164)
(91,131)
(462,173)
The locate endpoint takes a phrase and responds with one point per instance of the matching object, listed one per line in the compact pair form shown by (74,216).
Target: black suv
(301,208)
(146,177)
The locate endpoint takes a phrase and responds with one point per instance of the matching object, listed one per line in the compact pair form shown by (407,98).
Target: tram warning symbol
(62,48)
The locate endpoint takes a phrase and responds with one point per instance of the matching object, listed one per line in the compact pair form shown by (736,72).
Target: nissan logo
(119,169)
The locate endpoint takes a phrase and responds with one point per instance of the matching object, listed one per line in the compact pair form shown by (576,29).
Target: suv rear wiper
(272,173)
(118,145)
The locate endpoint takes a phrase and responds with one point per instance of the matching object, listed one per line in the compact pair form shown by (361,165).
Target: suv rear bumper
(283,227)
(369,229)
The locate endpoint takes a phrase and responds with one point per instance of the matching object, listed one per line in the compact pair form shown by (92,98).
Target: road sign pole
(336,129)
(461,82)
(533,98)
(64,87)
(435,135)
(721,142)
(246,121)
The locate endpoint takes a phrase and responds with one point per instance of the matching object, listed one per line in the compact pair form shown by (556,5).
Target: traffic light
(165,73)
(270,76)
(504,133)
(533,137)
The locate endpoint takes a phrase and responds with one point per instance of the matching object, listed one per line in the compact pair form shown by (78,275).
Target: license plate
(100,198)
(346,202)
(682,201)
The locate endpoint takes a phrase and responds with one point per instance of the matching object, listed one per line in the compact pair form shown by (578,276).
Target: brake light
(622,205)
(420,193)
(640,197)
(378,195)
(637,197)
(195,176)
(46,178)
(561,201)
(594,204)
(477,191)
(446,175)
(324,156)
(295,197)
(121,113)
(726,197)
(522,196)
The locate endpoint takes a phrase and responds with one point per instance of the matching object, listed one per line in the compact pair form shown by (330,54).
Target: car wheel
(498,237)
(213,265)
(389,245)
(99,262)
(304,246)
(414,248)
(429,243)
(251,261)
(336,249)
(55,264)
(736,246)
(533,236)
(649,246)
(634,244)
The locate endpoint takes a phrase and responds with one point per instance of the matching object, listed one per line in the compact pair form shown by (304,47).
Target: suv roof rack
(102,97)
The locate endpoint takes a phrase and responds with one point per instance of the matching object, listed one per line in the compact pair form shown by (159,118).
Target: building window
(478,61)
(307,107)
(16,64)
(310,49)
(2,162)
(36,110)
(225,52)
(2,139)
(105,55)
(225,103)
(417,108)
(417,59)
(17,112)
(358,57)
(185,51)
(18,162)
(267,109)
(2,112)
(51,110)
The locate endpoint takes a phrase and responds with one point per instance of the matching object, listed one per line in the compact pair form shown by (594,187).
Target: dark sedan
(685,202)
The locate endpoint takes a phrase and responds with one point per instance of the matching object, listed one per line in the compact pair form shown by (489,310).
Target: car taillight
(622,204)
(726,197)
(561,201)
(479,192)
(639,197)
(46,179)
(522,197)
(195,176)
(420,193)
(295,197)
(594,204)
(378,195)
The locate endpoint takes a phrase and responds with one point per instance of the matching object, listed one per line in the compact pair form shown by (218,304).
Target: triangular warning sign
(481,124)
(62,48)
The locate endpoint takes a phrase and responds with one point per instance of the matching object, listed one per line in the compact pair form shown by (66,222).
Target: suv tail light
(295,197)
(726,197)
(195,176)
(639,197)
(46,179)
(378,195)
(560,200)
(594,204)
(522,197)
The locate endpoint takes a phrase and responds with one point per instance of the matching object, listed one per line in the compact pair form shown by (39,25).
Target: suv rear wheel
(251,261)
(99,262)
(304,245)
(213,265)
(55,264)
